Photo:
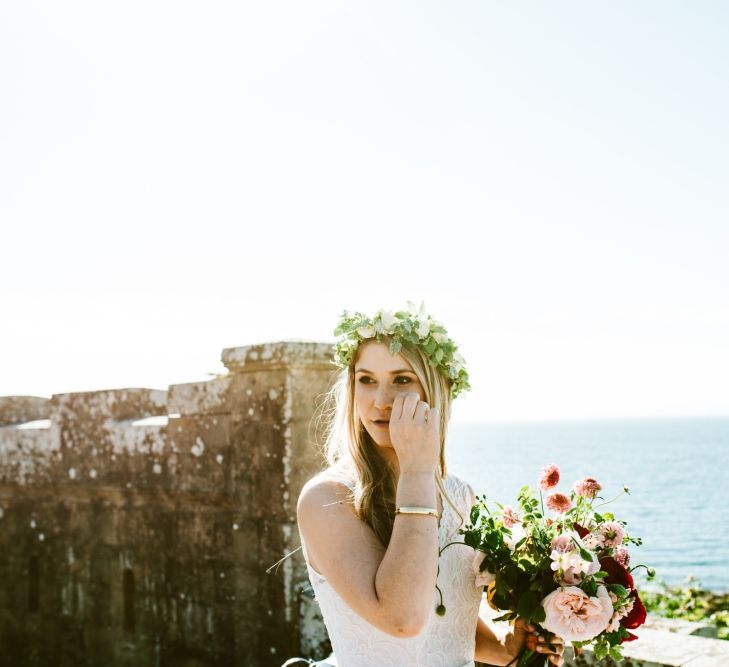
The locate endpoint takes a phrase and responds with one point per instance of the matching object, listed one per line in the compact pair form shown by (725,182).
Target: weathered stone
(110,404)
(26,454)
(281,354)
(137,530)
(682,627)
(20,409)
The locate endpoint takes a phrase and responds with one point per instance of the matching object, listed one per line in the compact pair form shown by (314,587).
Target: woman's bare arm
(392,588)
(490,648)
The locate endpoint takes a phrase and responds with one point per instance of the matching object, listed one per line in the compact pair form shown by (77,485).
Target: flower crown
(412,327)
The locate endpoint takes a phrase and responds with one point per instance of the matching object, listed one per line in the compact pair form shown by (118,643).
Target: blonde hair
(352,454)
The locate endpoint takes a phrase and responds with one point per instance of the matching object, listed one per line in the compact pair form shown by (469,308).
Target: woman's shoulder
(323,490)
(333,475)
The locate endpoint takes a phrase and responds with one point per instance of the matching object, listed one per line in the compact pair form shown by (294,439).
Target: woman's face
(378,377)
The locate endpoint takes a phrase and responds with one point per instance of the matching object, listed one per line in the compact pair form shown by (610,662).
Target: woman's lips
(381,424)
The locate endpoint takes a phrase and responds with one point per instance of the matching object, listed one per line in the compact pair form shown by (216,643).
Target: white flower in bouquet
(568,562)
(517,533)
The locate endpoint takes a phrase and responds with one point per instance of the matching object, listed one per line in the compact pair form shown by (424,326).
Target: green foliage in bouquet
(540,565)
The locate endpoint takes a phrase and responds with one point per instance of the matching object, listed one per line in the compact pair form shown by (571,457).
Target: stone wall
(137,525)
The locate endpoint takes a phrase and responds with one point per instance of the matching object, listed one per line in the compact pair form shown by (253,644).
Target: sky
(549,178)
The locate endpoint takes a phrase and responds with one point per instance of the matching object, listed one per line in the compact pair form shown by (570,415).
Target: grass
(689,602)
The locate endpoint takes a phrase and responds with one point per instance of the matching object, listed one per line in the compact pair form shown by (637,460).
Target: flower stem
(440,551)
(607,502)
(541,500)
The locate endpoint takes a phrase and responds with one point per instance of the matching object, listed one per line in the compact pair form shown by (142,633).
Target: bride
(373,524)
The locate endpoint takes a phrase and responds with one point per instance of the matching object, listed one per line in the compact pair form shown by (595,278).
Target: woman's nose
(383,398)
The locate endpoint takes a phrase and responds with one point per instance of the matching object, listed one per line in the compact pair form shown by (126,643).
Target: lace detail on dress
(446,641)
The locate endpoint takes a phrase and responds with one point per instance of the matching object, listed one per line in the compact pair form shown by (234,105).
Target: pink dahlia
(611,534)
(587,487)
(549,477)
(510,516)
(621,555)
(558,502)
(562,544)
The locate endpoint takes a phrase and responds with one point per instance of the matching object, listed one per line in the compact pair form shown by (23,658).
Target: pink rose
(575,616)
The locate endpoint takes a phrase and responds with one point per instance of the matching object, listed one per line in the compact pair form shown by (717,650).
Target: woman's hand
(527,636)
(415,433)
(547,643)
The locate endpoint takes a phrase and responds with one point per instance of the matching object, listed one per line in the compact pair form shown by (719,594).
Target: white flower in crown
(423,328)
(366,332)
(413,309)
(388,319)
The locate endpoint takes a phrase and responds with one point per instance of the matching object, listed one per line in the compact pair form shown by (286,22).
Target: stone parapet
(281,354)
(102,437)
(20,409)
(137,525)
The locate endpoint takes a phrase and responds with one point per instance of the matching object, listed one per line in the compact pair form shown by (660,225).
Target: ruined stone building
(137,525)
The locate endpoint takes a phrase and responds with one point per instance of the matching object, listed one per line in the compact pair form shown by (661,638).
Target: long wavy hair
(351,452)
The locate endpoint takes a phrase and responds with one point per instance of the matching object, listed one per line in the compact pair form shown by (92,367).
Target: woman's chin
(381,440)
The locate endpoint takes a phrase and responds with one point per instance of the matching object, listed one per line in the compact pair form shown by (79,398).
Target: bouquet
(567,573)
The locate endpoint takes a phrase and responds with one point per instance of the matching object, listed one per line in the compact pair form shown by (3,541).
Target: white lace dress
(446,641)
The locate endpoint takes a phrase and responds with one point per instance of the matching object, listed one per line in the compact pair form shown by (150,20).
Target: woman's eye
(367,380)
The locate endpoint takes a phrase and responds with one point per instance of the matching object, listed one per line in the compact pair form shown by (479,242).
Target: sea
(676,470)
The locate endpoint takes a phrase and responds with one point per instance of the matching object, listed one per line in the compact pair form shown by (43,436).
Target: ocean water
(677,471)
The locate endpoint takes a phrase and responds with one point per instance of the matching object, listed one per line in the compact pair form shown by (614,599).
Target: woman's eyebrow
(399,370)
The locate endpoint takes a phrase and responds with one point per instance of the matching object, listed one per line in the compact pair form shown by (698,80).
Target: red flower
(617,574)
(637,614)
(630,638)
(580,530)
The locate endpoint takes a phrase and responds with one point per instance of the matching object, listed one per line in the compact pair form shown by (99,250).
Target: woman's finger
(397,404)
(421,411)
(544,647)
(409,404)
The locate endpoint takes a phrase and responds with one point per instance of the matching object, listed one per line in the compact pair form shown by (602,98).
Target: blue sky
(176,178)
